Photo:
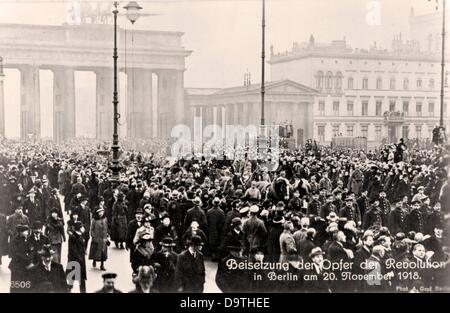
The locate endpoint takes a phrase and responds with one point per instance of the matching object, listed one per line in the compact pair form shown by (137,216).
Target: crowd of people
(269,230)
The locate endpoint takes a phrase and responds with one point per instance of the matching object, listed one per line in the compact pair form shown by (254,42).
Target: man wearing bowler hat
(190,270)
(37,241)
(48,273)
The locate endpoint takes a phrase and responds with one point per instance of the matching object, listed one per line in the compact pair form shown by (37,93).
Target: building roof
(201,91)
(294,88)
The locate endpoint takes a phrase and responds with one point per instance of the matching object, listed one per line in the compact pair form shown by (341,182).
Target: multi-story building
(378,94)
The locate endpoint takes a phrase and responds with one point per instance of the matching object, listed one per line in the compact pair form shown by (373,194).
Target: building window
(350,108)
(364,130)
(419,108)
(392,106)
(365,83)
(335,130)
(329,81)
(406,84)
(379,83)
(378,132)
(419,132)
(378,106)
(336,108)
(365,108)
(405,132)
(319,80)
(338,81)
(431,84)
(405,107)
(392,84)
(322,108)
(350,83)
(419,83)
(321,133)
(350,131)
(431,108)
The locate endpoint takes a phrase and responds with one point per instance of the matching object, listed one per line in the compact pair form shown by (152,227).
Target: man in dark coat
(234,212)
(190,270)
(314,205)
(363,203)
(275,229)
(350,211)
(33,207)
(84,216)
(20,254)
(435,219)
(306,245)
(12,221)
(337,253)
(362,254)
(215,218)
(396,222)
(54,202)
(328,207)
(167,260)
(234,235)
(48,275)
(414,220)
(195,214)
(374,216)
(163,230)
(37,241)
(231,279)
(255,230)
(77,253)
(133,225)
(385,207)
(133,198)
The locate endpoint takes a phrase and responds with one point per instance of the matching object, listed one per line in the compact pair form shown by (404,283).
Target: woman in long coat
(99,239)
(119,222)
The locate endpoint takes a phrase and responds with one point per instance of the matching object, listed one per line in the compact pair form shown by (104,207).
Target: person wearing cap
(215,219)
(396,220)
(21,258)
(235,234)
(145,280)
(190,270)
(374,216)
(232,280)
(287,243)
(420,194)
(314,205)
(47,273)
(435,219)
(17,218)
(143,253)
(350,211)
(33,208)
(255,230)
(231,214)
(54,230)
(133,226)
(119,221)
(414,220)
(37,241)
(98,251)
(77,253)
(363,203)
(109,281)
(195,213)
(328,207)
(167,260)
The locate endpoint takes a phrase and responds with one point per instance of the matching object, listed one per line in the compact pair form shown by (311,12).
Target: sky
(224,35)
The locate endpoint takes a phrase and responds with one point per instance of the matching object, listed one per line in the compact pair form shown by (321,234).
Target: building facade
(285,102)
(378,94)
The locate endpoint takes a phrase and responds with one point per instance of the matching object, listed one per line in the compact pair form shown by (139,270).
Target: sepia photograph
(245,147)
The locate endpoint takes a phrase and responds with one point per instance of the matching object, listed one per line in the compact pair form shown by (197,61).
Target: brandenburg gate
(88,47)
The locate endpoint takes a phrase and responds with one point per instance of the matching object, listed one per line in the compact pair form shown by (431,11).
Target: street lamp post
(441,120)
(132,14)
(263,58)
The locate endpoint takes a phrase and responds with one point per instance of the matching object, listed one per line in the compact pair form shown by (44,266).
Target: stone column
(2,100)
(139,104)
(30,117)
(104,118)
(63,103)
